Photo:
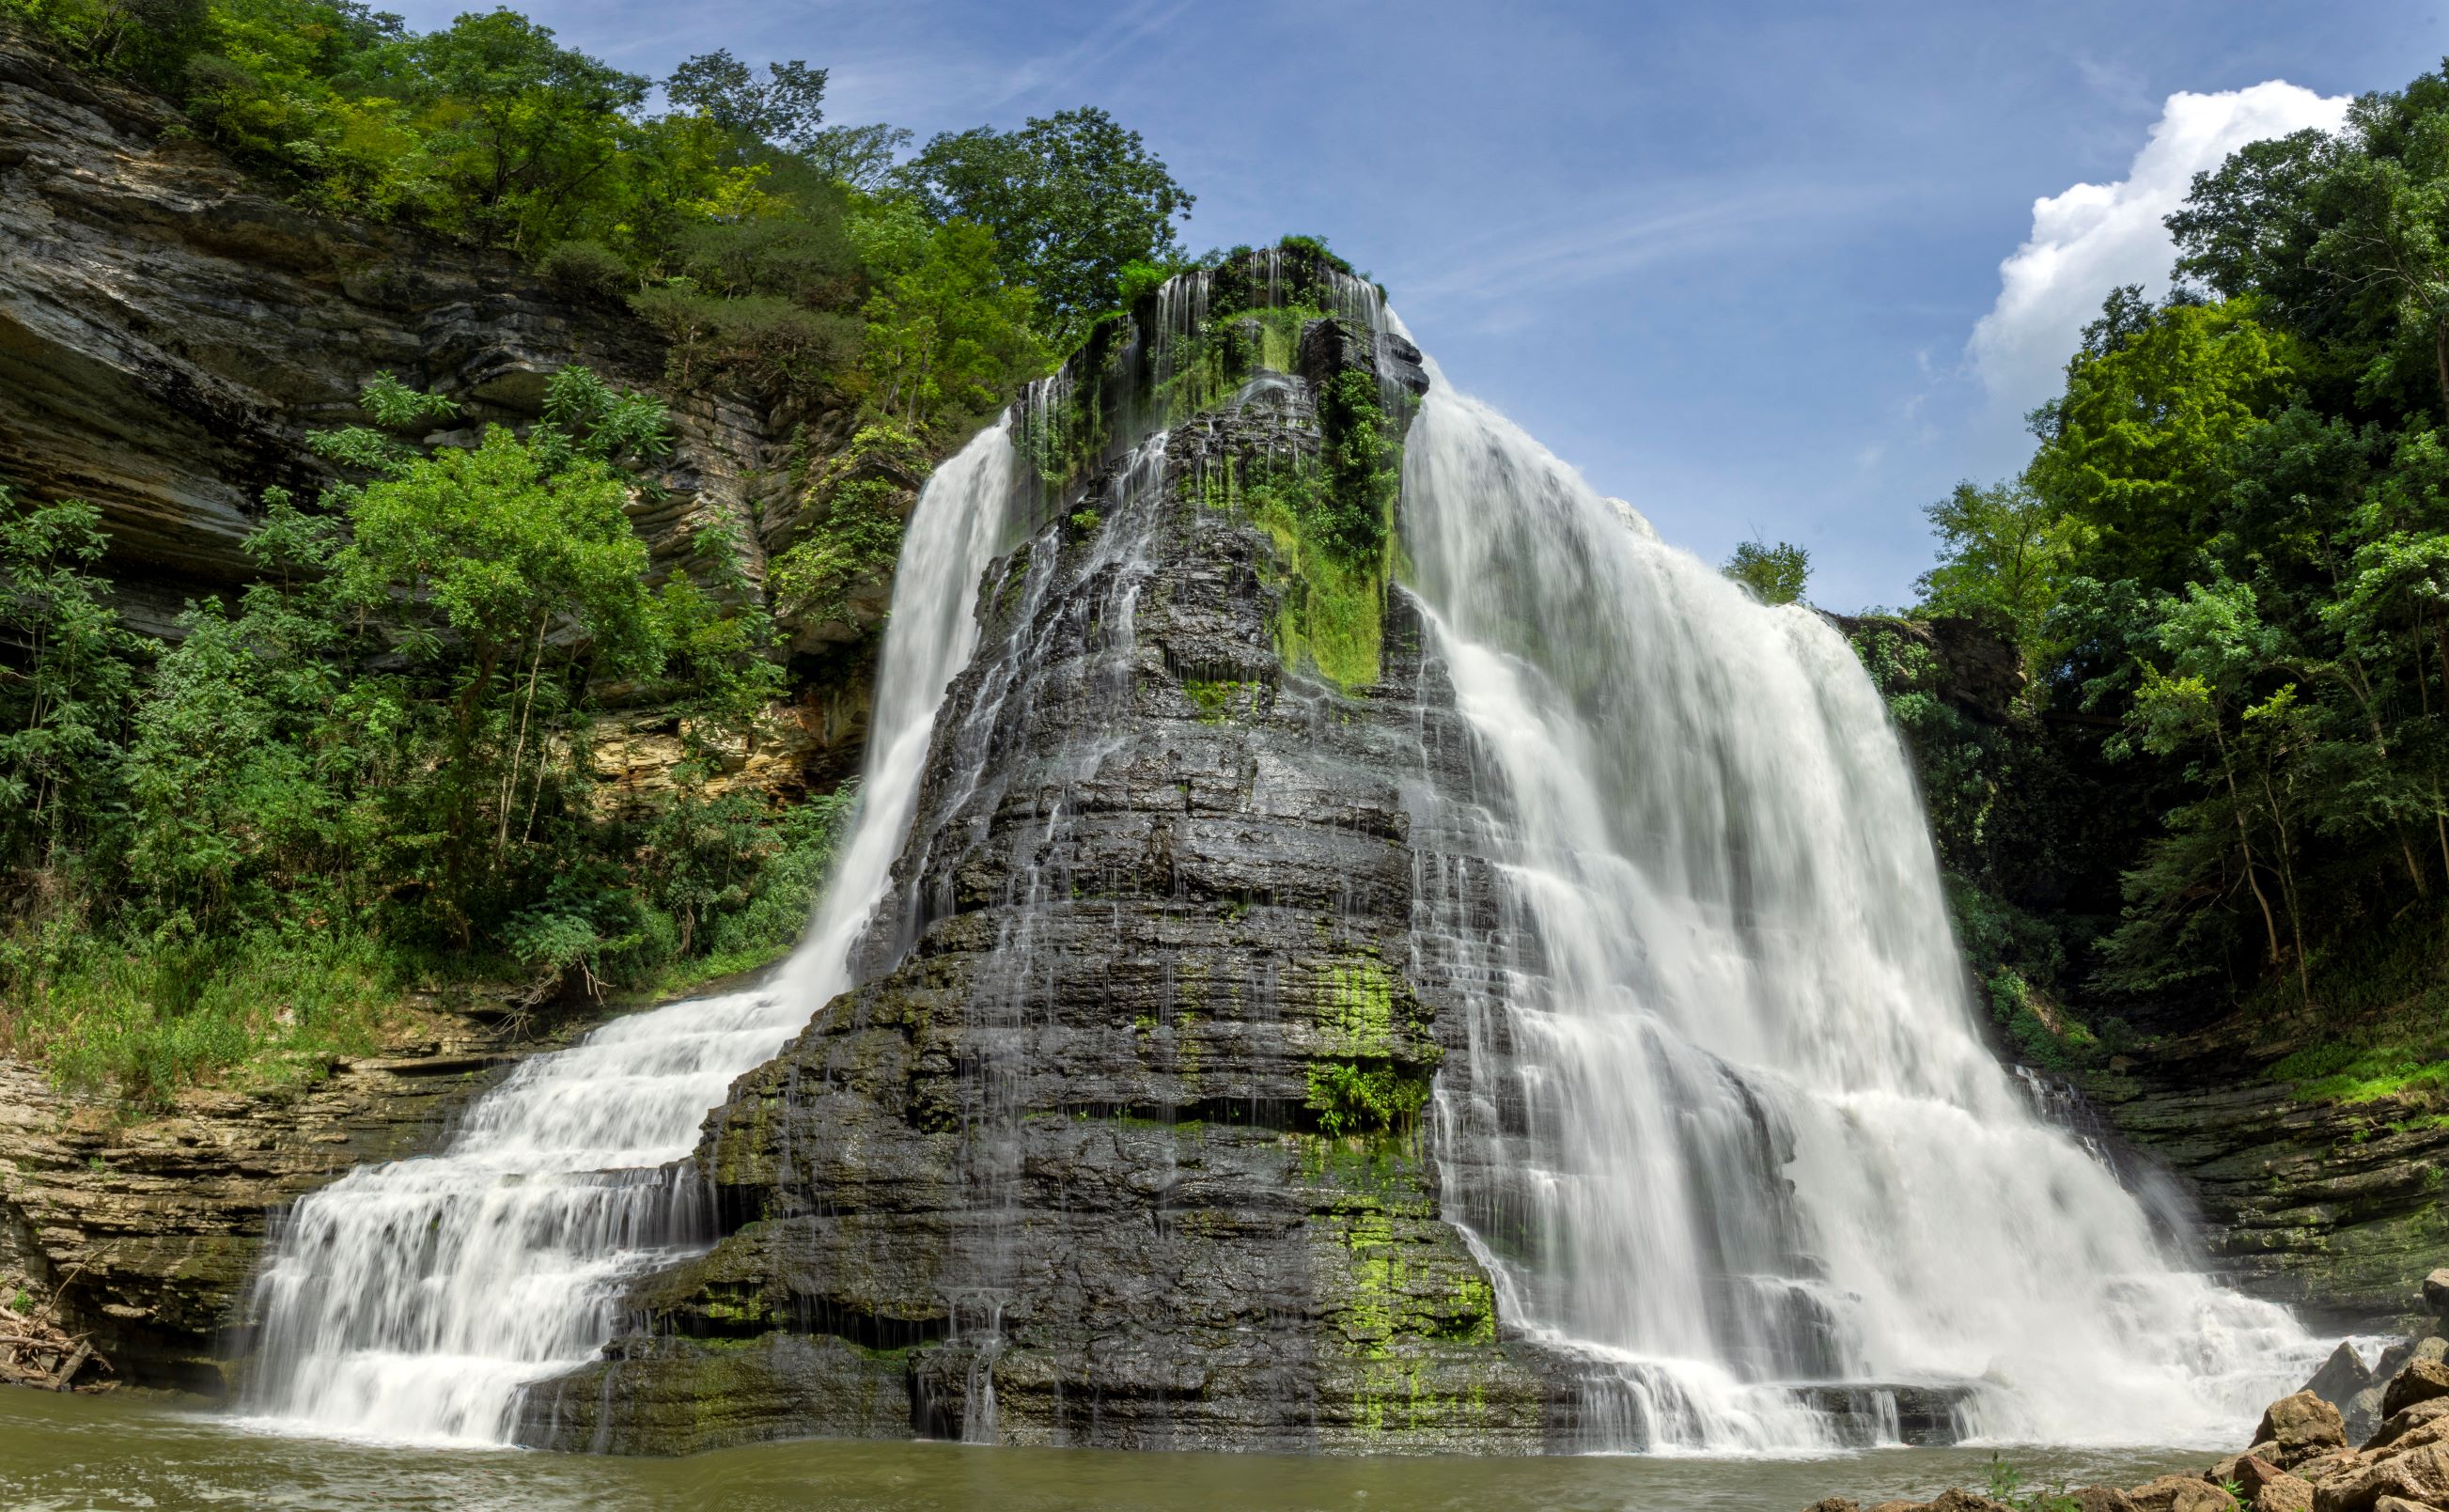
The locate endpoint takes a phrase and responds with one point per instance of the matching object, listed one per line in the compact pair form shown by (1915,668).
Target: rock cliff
(171,329)
(148,1229)
(1073,1167)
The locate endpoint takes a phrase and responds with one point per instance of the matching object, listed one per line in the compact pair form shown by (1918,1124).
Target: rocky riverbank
(147,1228)
(2397,1414)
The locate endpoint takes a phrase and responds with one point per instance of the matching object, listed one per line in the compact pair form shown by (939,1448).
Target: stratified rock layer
(149,1229)
(1073,1168)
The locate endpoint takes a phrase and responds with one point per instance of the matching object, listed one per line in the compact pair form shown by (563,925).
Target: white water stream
(1728,1119)
(412,1301)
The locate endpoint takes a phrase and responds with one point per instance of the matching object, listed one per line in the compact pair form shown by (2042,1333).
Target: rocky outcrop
(169,330)
(2333,1209)
(147,1230)
(1122,1143)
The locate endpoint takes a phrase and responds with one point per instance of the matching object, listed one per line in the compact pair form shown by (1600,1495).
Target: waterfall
(414,1300)
(1726,1124)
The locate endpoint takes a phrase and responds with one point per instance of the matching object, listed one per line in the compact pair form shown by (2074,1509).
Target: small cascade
(416,1300)
(1725,1131)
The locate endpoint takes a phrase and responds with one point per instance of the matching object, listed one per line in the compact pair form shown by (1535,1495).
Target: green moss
(2348,1074)
(1220,701)
(1356,1006)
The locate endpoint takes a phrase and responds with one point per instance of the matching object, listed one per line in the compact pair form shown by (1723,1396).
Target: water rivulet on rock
(1343,967)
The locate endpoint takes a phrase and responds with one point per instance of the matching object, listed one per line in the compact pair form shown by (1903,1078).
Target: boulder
(2179,1493)
(2301,1426)
(2420,1476)
(2268,1488)
(2328,1467)
(2436,1291)
(2101,1499)
(1835,1503)
(2393,1429)
(1956,1498)
(2421,1381)
(2363,1411)
(2341,1377)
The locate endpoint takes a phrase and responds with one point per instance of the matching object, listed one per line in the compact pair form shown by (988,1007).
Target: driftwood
(36,1351)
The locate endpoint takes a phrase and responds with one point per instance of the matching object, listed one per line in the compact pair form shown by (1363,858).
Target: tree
(502,577)
(520,130)
(1775,574)
(858,157)
(65,699)
(2140,446)
(784,108)
(1071,198)
(949,336)
(2390,243)
(2218,648)
(2003,554)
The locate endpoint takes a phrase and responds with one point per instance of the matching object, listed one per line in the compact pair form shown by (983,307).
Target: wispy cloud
(1532,260)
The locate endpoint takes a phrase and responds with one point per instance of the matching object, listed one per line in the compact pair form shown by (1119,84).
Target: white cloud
(2097,236)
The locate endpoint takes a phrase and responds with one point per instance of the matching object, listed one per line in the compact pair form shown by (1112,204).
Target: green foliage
(1072,200)
(65,706)
(785,108)
(858,508)
(2223,571)
(1354,1097)
(775,254)
(946,338)
(1776,574)
(1352,514)
(2003,553)
(373,770)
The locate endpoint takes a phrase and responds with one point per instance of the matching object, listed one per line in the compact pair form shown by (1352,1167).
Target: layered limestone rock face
(150,1229)
(1083,1162)
(2335,1210)
(169,330)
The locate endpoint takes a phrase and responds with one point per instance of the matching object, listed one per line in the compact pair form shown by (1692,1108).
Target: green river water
(65,1454)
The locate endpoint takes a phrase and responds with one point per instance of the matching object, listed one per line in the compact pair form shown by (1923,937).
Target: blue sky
(1730,258)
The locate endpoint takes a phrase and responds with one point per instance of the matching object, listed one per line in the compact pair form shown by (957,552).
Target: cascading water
(415,1300)
(1724,1126)
(1726,1123)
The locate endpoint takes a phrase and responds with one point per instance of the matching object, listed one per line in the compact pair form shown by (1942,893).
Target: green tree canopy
(1776,574)
(1072,198)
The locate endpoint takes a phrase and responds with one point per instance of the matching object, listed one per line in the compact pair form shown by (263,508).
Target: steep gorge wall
(171,329)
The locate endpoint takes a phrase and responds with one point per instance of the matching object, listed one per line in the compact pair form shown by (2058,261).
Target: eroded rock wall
(149,1228)
(1064,1171)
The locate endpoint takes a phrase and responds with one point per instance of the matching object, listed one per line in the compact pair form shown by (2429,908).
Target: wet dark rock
(2341,1376)
(1070,1168)
(1866,1415)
